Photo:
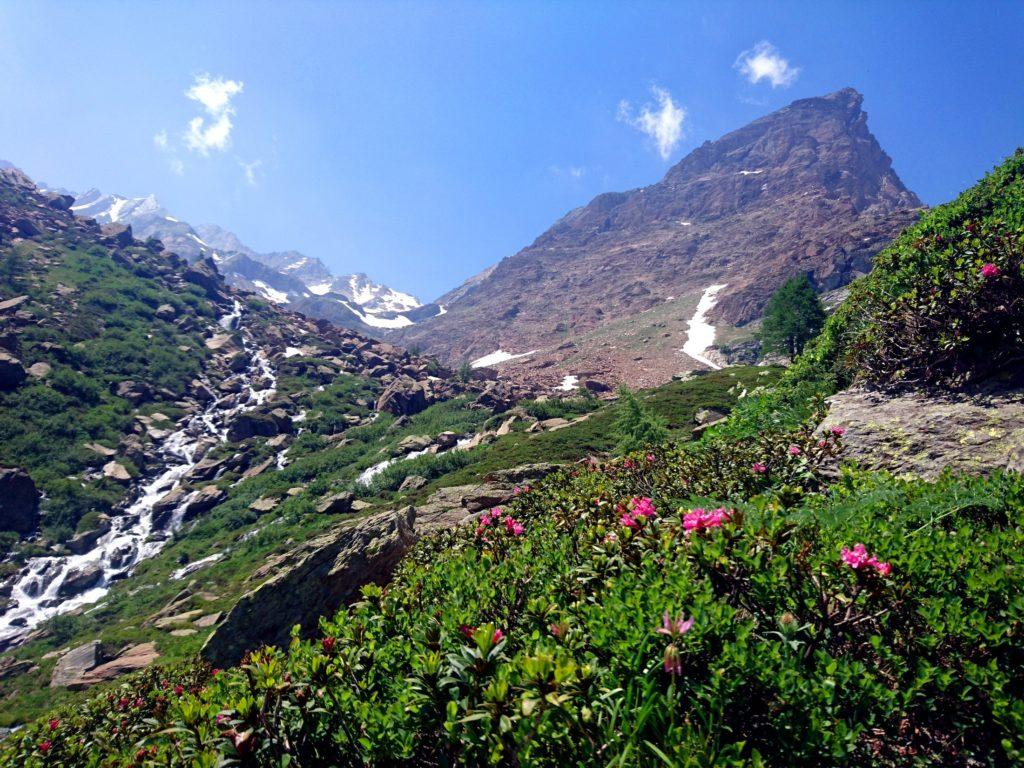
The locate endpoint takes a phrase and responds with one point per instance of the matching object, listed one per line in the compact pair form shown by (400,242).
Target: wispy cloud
(250,170)
(213,131)
(160,140)
(177,167)
(764,62)
(573,171)
(663,123)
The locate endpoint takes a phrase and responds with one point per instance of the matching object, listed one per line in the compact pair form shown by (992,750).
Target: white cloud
(575,171)
(177,167)
(212,132)
(664,124)
(250,170)
(160,140)
(764,62)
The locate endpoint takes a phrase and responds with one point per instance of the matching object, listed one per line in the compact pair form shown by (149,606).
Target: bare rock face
(75,663)
(922,434)
(12,372)
(19,501)
(313,581)
(130,659)
(804,190)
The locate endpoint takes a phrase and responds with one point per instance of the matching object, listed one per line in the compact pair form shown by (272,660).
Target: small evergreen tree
(793,317)
(636,426)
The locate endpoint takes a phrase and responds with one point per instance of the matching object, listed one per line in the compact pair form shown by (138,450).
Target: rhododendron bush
(670,608)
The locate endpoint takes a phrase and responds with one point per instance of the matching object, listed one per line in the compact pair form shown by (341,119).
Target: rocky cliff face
(806,189)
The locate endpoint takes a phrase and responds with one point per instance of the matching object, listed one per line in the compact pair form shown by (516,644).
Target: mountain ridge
(804,189)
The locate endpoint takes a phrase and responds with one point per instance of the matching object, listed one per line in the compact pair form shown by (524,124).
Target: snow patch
(292,351)
(441,310)
(496,357)
(751,173)
(701,334)
(320,288)
(400,321)
(278,297)
(569,383)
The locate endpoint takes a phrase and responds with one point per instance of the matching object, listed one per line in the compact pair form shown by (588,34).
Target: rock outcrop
(19,501)
(313,581)
(924,433)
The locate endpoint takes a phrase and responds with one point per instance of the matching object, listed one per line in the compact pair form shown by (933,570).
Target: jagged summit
(805,189)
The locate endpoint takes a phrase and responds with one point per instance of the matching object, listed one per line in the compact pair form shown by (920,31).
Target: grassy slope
(248,539)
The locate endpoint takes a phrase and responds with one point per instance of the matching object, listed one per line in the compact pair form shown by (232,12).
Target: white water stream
(38,595)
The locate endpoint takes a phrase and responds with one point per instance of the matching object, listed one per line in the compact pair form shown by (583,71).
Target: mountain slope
(287,277)
(805,189)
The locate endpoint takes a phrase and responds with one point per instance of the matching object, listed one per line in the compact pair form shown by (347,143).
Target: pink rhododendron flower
(674,627)
(989,271)
(642,507)
(794,450)
(822,443)
(54,724)
(628,464)
(44,746)
(838,431)
(497,637)
(496,513)
(859,557)
(650,457)
(628,521)
(511,526)
(467,631)
(702,519)
(758,467)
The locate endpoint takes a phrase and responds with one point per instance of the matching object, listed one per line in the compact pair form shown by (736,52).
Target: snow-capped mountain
(283,277)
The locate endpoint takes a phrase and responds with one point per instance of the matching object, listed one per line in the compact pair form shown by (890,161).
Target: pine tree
(636,427)
(793,317)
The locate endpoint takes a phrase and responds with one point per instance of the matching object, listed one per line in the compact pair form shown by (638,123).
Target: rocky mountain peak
(806,189)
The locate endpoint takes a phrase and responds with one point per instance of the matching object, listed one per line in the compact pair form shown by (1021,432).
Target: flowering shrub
(721,633)
(944,304)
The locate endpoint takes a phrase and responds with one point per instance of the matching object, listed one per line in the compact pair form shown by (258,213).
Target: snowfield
(701,333)
(498,356)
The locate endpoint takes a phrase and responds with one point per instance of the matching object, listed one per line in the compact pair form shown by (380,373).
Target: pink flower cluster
(520,489)
(493,518)
(859,557)
(702,519)
(636,512)
(674,627)
(758,468)
(989,271)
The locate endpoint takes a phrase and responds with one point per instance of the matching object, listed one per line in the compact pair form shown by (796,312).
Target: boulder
(75,663)
(265,504)
(12,372)
(250,424)
(924,433)
(82,542)
(9,305)
(707,415)
(413,443)
(551,424)
(19,501)
(412,483)
(11,667)
(336,504)
(80,579)
(402,398)
(135,392)
(61,202)
(39,370)
(118,235)
(166,312)
(446,440)
(116,471)
(129,660)
(204,274)
(26,227)
(313,581)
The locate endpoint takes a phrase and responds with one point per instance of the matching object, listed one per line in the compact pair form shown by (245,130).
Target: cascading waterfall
(38,595)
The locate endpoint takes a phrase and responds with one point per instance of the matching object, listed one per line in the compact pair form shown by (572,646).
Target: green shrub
(636,426)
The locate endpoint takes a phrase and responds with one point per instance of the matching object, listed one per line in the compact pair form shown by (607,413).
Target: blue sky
(421,142)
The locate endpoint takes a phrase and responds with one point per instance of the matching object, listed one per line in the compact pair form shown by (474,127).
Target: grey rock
(75,663)
(336,504)
(19,501)
(12,372)
(412,483)
(921,434)
(313,581)
(80,579)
